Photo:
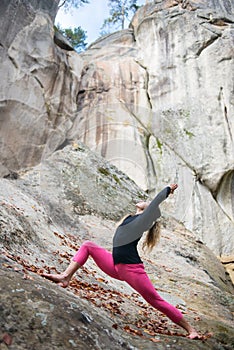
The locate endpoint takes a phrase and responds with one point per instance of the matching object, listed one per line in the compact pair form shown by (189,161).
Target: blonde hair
(152,237)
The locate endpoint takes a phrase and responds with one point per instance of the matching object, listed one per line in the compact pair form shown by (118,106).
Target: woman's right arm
(135,229)
(145,220)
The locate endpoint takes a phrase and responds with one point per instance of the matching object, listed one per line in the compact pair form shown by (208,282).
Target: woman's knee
(88,244)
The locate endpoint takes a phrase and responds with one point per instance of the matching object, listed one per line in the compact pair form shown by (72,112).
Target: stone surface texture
(46,214)
(83,137)
(155,99)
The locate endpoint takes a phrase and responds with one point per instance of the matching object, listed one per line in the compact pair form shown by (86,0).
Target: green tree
(76,37)
(68,4)
(120,11)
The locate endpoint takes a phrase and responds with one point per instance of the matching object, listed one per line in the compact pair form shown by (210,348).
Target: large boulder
(154,99)
(38,84)
(97,312)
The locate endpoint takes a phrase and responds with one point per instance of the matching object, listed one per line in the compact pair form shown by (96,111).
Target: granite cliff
(156,101)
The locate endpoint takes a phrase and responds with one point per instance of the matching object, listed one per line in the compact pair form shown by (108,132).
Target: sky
(89,17)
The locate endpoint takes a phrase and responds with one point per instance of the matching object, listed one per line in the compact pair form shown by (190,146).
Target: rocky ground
(44,217)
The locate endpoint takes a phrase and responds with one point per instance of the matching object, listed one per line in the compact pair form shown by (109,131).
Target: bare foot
(193,335)
(61,279)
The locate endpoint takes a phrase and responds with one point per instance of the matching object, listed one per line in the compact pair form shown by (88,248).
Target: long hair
(152,236)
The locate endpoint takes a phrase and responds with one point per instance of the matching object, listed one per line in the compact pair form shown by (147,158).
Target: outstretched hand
(173,187)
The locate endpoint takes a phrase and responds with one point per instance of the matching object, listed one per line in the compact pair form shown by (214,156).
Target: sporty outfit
(124,263)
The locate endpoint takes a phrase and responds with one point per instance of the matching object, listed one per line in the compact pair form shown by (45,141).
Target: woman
(124,263)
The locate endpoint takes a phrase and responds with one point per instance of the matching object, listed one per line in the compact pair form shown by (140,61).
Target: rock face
(156,100)
(97,312)
(15,15)
(37,78)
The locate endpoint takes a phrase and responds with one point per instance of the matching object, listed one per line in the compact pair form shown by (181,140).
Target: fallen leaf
(27,277)
(7,266)
(101,280)
(155,340)
(205,336)
(7,339)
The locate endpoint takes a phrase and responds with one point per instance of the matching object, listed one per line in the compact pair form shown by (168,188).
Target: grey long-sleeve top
(132,228)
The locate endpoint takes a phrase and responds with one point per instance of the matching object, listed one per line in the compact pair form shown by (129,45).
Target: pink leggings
(133,274)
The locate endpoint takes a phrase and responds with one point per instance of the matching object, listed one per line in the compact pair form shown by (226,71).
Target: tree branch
(62,4)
